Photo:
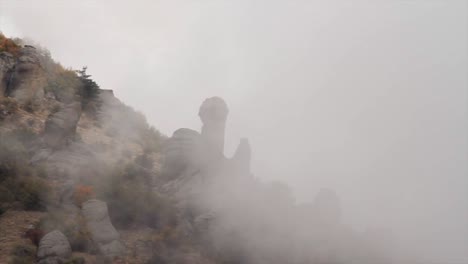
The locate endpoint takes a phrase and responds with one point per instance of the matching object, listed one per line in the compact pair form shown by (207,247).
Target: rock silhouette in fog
(213,114)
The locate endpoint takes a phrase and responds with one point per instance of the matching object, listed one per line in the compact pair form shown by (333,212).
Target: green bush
(31,192)
(23,254)
(19,181)
(90,89)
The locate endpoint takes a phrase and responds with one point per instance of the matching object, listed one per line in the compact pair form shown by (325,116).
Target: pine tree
(90,87)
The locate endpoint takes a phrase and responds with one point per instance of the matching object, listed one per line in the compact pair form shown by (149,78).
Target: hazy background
(369,98)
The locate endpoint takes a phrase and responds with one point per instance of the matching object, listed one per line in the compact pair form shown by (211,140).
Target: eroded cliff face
(27,79)
(7,63)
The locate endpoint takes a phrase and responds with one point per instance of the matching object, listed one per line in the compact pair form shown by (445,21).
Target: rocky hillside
(85,179)
(62,139)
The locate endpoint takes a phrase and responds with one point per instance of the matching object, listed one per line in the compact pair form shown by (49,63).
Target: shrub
(13,156)
(25,136)
(7,107)
(72,226)
(23,254)
(19,180)
(151,140)
(64,85)
(132,201)
(31,106)
(79,236)
(31,193)
(90,89)
(144,160)
(6,195)
(82,194)
(35,235)
(8,45)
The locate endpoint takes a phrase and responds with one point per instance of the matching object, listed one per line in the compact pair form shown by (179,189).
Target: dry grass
(13,225)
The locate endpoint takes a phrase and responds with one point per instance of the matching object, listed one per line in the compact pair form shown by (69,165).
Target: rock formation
(61,125)
(213,113)
(54,248)
(180,152)
(7,63)
(192,158)
(241,158)
(188,150)
(195,169)
(28,78)
(102,231)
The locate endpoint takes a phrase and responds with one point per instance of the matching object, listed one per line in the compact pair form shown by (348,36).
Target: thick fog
(368,98)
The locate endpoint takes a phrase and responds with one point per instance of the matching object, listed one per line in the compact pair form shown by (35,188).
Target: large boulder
(53,248)
(102,231)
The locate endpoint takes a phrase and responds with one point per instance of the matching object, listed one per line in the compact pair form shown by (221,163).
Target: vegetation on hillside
(90,89)
(125,184)
(23,254)
(8,45)
(21,184)
(64,85)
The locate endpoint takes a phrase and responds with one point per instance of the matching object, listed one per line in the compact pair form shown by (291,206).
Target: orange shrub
(8,45)
(82,194)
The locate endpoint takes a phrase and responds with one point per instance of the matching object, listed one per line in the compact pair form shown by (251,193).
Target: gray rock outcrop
(193,159)
(213,113)
(53,248)
(7,63)
(102,231)
(180,152)
(61,125)
(242,157)
(28,78)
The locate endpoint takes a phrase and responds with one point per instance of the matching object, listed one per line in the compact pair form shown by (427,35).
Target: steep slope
(56,141)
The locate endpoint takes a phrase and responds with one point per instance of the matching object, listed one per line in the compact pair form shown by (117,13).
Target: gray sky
(366,97)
